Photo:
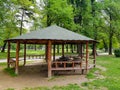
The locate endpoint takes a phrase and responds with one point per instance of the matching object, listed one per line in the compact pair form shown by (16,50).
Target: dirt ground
(35,75)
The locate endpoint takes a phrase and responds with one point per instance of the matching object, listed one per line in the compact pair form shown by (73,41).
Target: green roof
(53,33)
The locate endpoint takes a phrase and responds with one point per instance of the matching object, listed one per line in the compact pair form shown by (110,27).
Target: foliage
(8,23)
(14,14)
(111,9)
(55,14)
(98,19)
(117,52)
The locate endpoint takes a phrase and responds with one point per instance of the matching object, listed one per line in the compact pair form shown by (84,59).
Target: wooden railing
(67,65)
(36,56)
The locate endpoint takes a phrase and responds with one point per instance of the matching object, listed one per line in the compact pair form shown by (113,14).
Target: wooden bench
(12,62)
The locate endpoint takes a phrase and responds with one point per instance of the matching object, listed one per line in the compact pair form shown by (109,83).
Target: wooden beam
(87,56)
(46,53)
(8,55)
(17,57)
(24,54)
(62,50)
(94,54)
(54,52)
(67,48)
(49,59)
(81,50)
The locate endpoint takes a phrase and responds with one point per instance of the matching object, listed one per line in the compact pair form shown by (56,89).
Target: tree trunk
(105,46)
(80,49)
(67,48)
(35,48)
(110,45)
(58,49)
(75,47)
(71,47)
(48,16)
(3,48)
(48,20)
(21,25)
(110,37)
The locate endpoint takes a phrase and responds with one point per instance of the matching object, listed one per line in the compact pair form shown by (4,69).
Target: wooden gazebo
(49,36)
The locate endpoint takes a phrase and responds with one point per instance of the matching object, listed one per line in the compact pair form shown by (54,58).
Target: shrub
(117,52)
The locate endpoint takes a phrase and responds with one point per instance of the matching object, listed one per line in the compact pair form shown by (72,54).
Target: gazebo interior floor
(40,68)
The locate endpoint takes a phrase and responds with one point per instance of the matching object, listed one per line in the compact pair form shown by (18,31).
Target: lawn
(112,74)
(110,81)
(3,55)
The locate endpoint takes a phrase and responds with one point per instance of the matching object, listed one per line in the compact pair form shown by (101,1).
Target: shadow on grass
(10,71)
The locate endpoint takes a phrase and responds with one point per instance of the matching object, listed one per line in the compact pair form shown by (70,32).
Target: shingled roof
(52,33)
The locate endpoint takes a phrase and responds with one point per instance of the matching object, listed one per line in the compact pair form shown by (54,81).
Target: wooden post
(87,53)
(58,49)
(81,50)
(94,54)
(54,52)
(67,48)
(46,54)
(49,59)
(8,55)
(17,57)
(24,53)
(62,50)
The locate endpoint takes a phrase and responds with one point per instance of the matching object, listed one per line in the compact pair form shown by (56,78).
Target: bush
(117,52)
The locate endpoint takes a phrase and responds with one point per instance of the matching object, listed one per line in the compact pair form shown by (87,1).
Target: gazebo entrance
(55,35)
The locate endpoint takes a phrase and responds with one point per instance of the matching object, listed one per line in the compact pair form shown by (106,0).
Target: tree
(13,11)
(25,12)
(8,24)
(112,9)
(55,14)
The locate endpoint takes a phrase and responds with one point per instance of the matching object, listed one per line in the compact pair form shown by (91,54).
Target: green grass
(111,80)
(68,87)
(3,55)
(3,64)
(91,74)
(10,89)
(112,74)
(10,71)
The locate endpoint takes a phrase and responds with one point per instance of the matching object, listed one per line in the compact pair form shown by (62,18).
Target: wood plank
(49,58)
(62,50)
(94,54)
(24,54)
(8,55)
(87,56)
(70,68)
(17,57)
(54,52)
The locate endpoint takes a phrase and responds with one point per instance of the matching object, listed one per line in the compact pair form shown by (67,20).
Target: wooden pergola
(49,36)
